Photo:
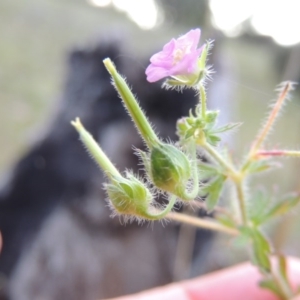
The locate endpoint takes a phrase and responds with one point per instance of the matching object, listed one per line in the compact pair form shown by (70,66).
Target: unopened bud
(170,169)
(129,195)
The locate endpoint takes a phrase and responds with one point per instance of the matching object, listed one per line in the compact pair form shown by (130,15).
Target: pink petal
(191,38)
(156,73)
(186,66)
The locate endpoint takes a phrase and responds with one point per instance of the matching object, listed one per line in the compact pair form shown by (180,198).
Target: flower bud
(170,169)
(129,196)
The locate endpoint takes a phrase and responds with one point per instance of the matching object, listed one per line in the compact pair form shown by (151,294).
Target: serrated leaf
(226,127)
(261,165)
(213,191)
(259,206)
(212,139)
(207,170)
(283,207)
(272,286)
(261,248)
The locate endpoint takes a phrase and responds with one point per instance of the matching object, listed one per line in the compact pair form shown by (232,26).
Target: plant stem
(236,177)
(241,201)
(203,101)
(272,117)
(285,289)
(288,153)
(157,215)
(219,159)
(202,223)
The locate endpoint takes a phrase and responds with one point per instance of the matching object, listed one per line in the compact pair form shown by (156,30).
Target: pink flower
(178,57)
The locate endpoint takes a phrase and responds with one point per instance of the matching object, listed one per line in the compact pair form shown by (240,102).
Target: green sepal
(211,118)
(145,159)
(129,195)
(170,169)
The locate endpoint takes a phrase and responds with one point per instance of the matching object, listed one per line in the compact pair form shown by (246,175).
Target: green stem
(270,121)
(95,150)
(284,288)
(219,158)
(237,178)
(241,201)
(163,213)
(132,106)
(202,223)
(203,101)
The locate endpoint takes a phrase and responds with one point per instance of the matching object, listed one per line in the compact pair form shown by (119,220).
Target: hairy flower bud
(129,195)
(170,169)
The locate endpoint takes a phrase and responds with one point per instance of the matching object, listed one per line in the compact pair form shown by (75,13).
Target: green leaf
(262,251)
(261,248)
(283,207)
(207,170)
(226,127)
(213,190)
(261,165)
(259,206)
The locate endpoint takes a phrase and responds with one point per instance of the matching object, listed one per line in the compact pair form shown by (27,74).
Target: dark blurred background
(256,48)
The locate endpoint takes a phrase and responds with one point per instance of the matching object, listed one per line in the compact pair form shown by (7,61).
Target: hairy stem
(214,154)
(157,215)
(203,101)
(270,121)
(241,201)
(287,153)
(202,223)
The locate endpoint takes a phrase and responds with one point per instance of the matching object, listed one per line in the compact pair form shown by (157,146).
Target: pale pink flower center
(179,54)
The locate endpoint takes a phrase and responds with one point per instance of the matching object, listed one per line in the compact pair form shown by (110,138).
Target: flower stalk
(201,223)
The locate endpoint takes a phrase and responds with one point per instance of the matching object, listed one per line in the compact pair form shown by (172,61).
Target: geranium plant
(176,170)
